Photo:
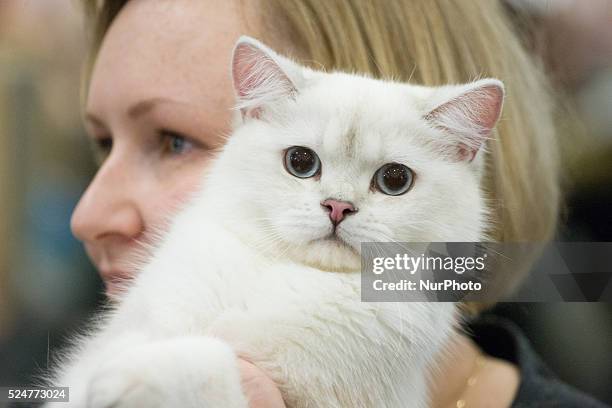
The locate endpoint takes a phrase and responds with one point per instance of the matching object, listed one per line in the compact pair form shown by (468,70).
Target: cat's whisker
(268,240)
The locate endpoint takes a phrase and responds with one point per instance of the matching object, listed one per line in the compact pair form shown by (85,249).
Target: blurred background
(48,287)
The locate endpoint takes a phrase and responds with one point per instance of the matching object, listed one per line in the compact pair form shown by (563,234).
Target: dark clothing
(539,387)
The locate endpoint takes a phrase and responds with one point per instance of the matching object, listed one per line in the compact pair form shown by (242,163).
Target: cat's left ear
(468,116)
(261,77)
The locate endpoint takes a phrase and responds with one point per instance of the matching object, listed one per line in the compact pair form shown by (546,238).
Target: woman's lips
(115,280)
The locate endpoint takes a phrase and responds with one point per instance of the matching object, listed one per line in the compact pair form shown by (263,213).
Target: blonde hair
(433,42)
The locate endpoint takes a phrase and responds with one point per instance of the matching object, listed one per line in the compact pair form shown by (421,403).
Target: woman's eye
(175,143)
(302,162)
(393,179)
(102,147)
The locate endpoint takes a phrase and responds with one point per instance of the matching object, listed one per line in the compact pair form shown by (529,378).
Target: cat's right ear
(261,77)
(467,115)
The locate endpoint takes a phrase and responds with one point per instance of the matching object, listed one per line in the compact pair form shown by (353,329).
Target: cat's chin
(328,254)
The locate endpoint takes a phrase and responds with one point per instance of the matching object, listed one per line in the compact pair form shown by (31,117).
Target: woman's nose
(109,206)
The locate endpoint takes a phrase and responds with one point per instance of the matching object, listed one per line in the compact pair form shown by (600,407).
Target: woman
(159,100)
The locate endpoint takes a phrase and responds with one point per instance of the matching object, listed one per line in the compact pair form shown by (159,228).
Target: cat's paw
(183,372)
(120,385)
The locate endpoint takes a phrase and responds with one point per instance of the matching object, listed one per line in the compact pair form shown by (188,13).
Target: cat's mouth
(334,238)
(332,252)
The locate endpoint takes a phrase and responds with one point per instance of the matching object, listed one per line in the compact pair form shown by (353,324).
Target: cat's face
(343,160)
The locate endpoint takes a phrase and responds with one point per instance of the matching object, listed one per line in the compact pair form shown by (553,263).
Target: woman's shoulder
(539,387)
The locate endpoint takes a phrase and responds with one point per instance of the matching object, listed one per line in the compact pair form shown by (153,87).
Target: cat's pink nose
(338,209)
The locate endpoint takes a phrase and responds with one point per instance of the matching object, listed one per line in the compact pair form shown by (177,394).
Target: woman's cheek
(183,183)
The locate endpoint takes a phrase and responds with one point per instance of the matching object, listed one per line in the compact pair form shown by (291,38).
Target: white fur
(243,271)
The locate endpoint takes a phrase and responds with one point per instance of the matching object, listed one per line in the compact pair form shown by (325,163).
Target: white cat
(264,262)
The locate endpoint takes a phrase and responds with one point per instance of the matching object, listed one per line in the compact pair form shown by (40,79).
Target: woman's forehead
(166,48)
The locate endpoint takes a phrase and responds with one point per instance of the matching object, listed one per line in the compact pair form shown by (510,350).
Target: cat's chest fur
(293,321)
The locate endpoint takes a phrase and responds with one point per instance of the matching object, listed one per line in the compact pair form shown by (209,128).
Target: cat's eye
(393,179)
(302,162)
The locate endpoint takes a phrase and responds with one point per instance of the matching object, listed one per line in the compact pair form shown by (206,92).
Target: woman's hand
(259,389)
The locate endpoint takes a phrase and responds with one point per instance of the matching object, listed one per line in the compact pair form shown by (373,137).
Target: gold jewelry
(479,362)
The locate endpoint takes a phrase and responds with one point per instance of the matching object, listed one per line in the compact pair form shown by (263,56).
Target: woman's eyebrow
(134,111)
(142,107)
(94,120)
